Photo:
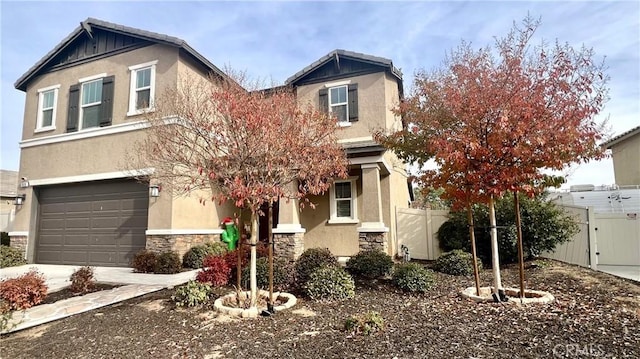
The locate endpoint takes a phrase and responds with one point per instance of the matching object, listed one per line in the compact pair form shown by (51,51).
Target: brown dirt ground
(594,315)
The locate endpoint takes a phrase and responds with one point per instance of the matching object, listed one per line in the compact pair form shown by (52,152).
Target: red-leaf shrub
(216,270)
(262,250)
(144,261)
(25,291)
(232,259)
(82,280)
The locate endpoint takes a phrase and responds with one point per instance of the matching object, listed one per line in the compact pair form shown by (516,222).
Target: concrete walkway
(57,277)
(629,272)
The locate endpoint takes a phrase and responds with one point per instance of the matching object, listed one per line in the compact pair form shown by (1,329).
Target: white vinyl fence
(417,228)
(6,220)
(579,250)
(618,239)
(603,238)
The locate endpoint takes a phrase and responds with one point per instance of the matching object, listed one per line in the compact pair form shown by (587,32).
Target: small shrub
(168,263)
(144,261)
(231,258)
(456,262)
(25,291)
(216,248)
(11,257)
(366,324)
(5,240)
(412,277)
(330,283)
(262,250)
(191,294)
(215,270)
(82,280)
(194,256)
(370,264)
(540,263)
(310,260)
(544,226)
(281,274)
(5,315)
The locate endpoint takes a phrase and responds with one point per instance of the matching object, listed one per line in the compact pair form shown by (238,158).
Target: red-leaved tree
(495,118)
(247,147)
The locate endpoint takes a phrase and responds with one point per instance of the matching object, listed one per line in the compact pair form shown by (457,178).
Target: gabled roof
(85,27)
(337,54)
(621,137)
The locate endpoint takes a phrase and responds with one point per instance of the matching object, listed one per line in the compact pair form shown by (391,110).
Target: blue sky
(274,40)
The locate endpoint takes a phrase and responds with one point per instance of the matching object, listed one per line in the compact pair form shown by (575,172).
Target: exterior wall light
(19,200)
(154,190)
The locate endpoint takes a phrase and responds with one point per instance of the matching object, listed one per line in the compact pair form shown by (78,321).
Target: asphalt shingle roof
(380,61)
(143,34)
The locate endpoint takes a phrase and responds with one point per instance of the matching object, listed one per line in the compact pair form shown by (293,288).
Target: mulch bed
(594,315)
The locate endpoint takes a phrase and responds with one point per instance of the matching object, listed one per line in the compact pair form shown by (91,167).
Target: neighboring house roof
(8,183)
(85,27)
(621,137)
(337,54)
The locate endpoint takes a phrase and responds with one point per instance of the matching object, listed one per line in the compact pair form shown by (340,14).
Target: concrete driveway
(57,276)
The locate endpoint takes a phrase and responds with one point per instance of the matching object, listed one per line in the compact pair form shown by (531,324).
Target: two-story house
(83,116)
(625,150)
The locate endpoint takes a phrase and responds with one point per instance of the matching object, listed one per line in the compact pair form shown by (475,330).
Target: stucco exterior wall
(341,239)
(189,213)
(99,154)
(107,153)
(392,97)
(372,104)
(117,65)
(626,161)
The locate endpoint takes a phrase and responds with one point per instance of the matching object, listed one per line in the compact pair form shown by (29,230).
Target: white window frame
(345,103)
(133,90)
(39,118)
(333,218)
(82,82)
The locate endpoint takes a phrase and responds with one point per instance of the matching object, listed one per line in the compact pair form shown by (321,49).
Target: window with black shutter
(341,102)
(90,104)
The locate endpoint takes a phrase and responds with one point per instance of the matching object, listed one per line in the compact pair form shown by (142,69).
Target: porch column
(289,234)
(372,233)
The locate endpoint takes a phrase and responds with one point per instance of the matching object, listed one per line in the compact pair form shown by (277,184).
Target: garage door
(98,223)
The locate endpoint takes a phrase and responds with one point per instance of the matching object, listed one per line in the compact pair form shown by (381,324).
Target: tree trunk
(516,203)
(252,270)
(472,236)
(495,260)
(270,239)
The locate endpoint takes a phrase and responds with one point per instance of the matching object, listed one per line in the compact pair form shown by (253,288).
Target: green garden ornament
(230,234)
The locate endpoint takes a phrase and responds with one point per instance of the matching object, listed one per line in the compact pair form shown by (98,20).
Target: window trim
(39,118)
(133,71)
(345,103)
(82,106)
(333,215)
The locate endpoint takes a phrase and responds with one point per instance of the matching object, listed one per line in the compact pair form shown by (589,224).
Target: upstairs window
(90,103)
(142,89)
(341,102)
(47,105)
(338,103)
